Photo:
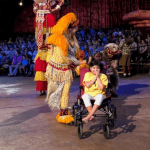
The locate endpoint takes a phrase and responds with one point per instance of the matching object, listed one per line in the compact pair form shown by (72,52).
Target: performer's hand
(139,19)
(72,66)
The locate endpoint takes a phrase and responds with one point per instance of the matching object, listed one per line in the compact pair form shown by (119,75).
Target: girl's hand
(97,74)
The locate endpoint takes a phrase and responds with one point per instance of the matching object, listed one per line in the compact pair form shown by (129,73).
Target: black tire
(115,113)
(112,120)
(106,131)
(75,117)
(80,130)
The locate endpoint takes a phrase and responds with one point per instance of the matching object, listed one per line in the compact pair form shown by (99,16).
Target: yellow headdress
(57,38)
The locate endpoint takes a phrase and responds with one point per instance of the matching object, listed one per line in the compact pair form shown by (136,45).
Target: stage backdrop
(95,13)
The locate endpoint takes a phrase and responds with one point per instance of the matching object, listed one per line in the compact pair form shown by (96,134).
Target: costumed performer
(110,56)
(44,21)
(125,46)
(65,49)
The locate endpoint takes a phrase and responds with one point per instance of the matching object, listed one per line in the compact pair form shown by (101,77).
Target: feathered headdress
(57,38)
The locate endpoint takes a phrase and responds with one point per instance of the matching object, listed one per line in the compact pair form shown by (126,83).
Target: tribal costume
(110,55)
(58,72)
(44,21)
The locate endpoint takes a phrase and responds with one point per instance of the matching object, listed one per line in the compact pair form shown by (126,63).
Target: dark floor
(27,123)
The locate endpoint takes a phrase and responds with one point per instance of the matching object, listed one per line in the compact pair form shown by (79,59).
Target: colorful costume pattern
(59,73)
(44,21)
(110,55)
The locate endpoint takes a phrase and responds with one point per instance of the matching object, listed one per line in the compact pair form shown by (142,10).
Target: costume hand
(139,19)
(72,66)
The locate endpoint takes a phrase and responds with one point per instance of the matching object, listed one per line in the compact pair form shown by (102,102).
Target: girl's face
(97,56)
(95,69)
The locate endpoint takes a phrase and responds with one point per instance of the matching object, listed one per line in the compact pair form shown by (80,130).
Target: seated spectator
(24,65)
(5,62)
(99,47)
(13,69)
(134,52)
(95,41)
(87,52)
(31,69)
(94,49)
(82,45)
(90,46)
(82,32)
(143,50)
(97,56)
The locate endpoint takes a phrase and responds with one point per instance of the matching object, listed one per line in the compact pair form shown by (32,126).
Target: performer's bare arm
(35,7)
(58,6)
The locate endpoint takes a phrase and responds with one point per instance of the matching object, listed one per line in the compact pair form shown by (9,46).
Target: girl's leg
(95,107)
(87,101)
(98,101)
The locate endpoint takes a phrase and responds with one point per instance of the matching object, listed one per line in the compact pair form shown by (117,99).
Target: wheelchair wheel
(74,113)
(75,117)
(106,131)
(80,130)
(113,111)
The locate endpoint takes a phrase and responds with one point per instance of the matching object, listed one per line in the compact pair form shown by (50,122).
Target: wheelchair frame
(79,111)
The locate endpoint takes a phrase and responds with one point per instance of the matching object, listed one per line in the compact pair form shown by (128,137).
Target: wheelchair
(80,111)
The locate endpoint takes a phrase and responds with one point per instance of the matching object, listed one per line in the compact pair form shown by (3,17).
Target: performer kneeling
(95,87)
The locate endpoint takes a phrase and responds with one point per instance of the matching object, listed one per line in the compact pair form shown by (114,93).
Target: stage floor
(27,123)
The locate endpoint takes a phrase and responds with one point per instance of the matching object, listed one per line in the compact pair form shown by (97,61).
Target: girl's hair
(96,63)
(97,53)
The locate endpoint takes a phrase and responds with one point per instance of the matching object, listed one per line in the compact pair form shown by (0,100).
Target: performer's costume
(44,21)
(58,72)
(126,56)
(110,55)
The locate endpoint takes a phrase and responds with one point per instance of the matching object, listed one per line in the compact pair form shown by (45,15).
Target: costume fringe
(40,76)
(49,53)
(58,75)
(42,55)
(65,119)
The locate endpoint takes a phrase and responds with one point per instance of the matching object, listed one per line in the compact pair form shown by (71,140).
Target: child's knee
(87,100)
(99,99)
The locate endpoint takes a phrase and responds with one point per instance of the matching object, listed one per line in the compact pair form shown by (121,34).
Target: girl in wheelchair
(95,84)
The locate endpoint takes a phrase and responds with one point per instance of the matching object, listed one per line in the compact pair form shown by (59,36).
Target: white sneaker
(129,74)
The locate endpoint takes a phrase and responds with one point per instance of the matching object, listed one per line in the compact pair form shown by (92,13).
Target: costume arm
(49,6)
(35,7)
(74,60)
(58,6)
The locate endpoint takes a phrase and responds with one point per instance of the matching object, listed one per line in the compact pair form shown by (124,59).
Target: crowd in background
(17,56)
(92,41)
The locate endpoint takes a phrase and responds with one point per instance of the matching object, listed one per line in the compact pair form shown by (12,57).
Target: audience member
(13,69)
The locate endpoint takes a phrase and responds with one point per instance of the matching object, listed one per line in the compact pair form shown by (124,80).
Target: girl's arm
(88,84)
